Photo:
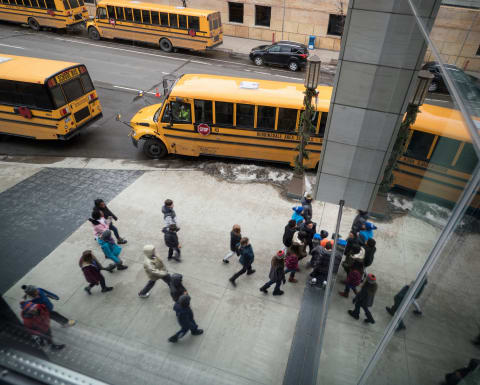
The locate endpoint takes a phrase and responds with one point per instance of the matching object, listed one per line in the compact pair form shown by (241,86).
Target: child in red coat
(354,278)
(291,264)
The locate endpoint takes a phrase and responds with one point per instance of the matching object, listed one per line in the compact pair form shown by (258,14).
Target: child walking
(277,273)
(91,268)
(246,259)
(155,270)
(171,241)
(235,237)
(291,263)
(185,319)
(111,249)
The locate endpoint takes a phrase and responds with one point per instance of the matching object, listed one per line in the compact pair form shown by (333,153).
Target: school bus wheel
(93,33)
(33,24)
(165,45)
(154,148)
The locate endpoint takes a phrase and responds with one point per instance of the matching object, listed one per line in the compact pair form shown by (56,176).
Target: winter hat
(107,234)
(280,254)
(324,234)
(148,250)
(298,209)
(29,290)
(308,197)
(371,278)
(370,226)
(317,237)
(184,300)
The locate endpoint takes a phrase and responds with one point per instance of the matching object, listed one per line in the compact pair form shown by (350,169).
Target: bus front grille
(82,114)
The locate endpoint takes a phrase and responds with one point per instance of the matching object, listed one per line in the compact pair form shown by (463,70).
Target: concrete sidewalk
(122,339)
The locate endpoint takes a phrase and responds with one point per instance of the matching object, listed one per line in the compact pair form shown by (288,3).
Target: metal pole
(283,20)
(328,288)
(460,207)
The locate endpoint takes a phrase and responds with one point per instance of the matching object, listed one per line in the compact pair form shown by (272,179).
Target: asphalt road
(119,70)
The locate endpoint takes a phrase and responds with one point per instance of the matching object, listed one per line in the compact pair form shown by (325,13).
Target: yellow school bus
(259,119)
(167,26)
(55,100)
(59,14)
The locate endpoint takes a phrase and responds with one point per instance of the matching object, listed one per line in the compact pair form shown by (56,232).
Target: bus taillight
(64,111)
(92,96)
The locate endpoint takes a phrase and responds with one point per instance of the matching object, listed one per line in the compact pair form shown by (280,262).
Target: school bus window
(111,11)
(182,21)
(66,4)
(41,4)
(50,4)
(194,23)
(119,11)
(173,21)
(128,14)
(24,94)
(87,82)
(323,124)
(166,114)
(164,19)
(420,144)
(146,17)
(266,118)
(203,111)
(245,115)
(444,151)
(81,3)
(467,160)
(224,113)
(287,119)
(58,97)
(74,3)
(155,18)
(73,89)
(101,13)
(181,112)
(137,16)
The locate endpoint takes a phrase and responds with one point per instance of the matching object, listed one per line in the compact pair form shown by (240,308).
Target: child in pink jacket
(100,224)
(291,264)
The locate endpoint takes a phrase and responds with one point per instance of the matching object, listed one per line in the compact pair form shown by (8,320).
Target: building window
(235,12)
(335,25)
(262,15)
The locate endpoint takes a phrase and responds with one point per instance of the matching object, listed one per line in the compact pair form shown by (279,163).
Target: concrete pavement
(121,338)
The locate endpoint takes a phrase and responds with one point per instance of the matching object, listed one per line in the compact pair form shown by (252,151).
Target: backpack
(35,317)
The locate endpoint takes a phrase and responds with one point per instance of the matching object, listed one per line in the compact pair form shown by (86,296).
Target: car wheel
(93,33)
(293,66)
(154,149)
(258,60)
(165,45)
(433,87)
(33,24)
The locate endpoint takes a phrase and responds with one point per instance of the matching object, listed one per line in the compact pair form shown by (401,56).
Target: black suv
(283,53)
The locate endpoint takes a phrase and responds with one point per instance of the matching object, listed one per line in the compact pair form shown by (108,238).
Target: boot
(121,266)
(232,281)
(250,272)
(197,332)
(369,321)
(110,268)
(390,311)
(88,290)
(343,294)
(225,261)
(352,314)
(106,289)
(57,346)
(173,339)
(293,280)
(264,289)
(277,292)
(121,241)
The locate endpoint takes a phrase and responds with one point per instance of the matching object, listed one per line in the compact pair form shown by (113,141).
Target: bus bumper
(134,141)
(75,132)
(78,26)
(215,45)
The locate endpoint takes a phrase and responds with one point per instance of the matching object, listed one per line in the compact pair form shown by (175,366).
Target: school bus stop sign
(203,129)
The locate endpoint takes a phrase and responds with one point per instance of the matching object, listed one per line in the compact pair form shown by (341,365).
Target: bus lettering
(67,75)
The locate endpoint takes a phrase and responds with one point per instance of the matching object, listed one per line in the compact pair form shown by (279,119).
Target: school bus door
(180,132)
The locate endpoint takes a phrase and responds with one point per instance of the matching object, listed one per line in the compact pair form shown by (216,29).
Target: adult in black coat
(309,228)
(101,206)
(307,212)
(370,250)
(359,221)
(277,273)
(320,269)
(185,319)
(288,233)
(458,375)
(364,299)
(171,241)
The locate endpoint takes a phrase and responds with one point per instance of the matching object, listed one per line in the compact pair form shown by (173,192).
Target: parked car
(457,74)
(283,53)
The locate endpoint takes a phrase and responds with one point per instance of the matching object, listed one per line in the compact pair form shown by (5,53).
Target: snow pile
(244,173)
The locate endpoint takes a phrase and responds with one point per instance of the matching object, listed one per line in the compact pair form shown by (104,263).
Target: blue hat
(317,236)
(298,209)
